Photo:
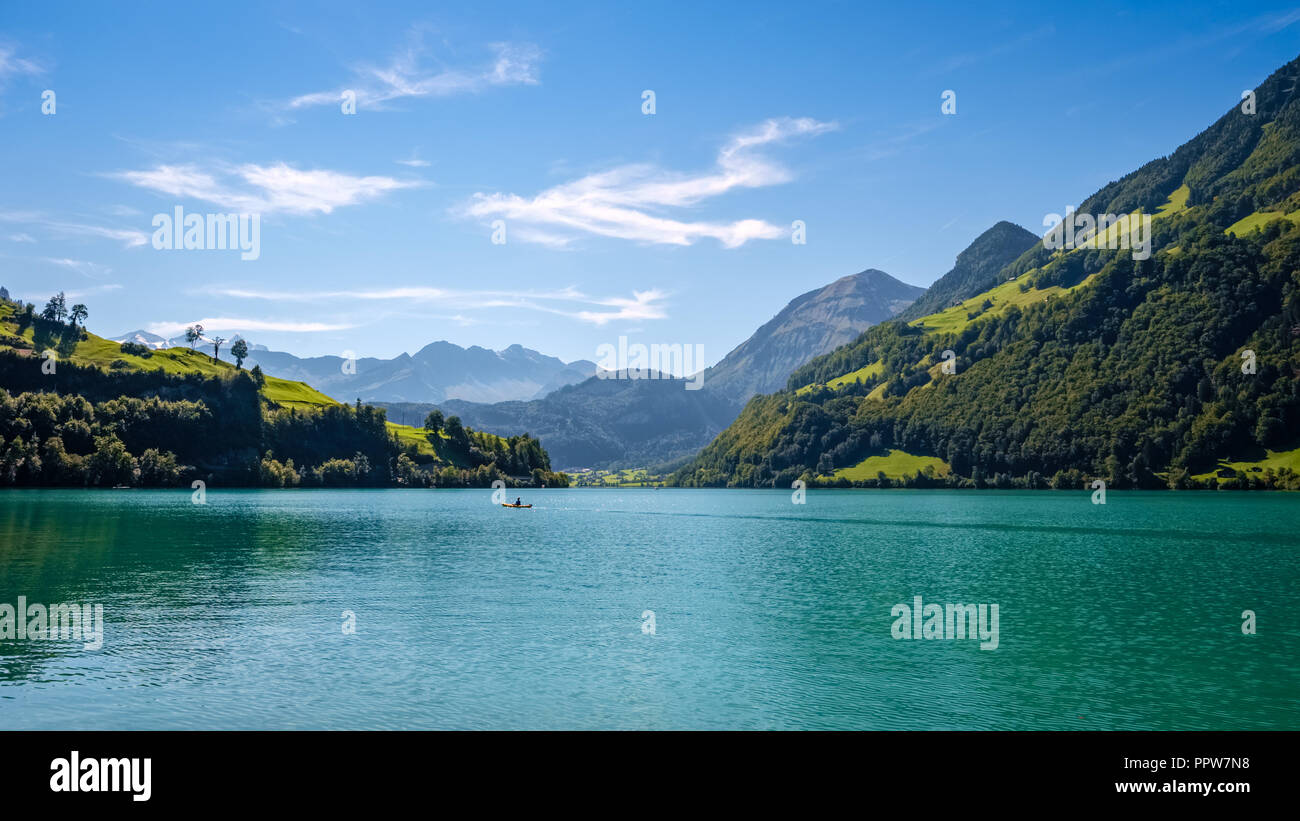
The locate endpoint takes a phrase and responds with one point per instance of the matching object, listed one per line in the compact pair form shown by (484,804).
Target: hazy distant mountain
(152,340)
(976,269)
(143,338)
(437,372)
(812,324)
(600,422)
(619,422)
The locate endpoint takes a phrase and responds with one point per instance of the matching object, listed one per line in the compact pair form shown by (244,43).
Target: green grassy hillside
(894,465)
(95,350)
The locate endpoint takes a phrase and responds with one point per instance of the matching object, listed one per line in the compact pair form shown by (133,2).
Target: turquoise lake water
(767,614)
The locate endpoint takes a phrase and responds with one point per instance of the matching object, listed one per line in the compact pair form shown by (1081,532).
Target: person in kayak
(519,502)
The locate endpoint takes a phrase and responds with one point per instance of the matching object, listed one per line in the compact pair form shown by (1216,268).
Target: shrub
(136,349)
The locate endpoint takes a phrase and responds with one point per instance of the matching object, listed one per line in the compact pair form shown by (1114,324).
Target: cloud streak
(632,201)
(404,77)
(128,237)
(11,65)
(957,61)
(569,302)
(264,189)
(896,143)
(85,292)
(240,324)
(89,269)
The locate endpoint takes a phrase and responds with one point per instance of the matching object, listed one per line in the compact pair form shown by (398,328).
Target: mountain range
(605,422)
(437,372)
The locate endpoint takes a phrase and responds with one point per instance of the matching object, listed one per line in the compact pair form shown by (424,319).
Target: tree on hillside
(457,433)
(79,313)
(434,421)
(217,341)
(454,427)
(56,309)
(25,316)
(239,350)
(193,334)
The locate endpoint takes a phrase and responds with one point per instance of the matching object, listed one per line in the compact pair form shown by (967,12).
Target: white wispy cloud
(538,237)
(264,189)
(128,237)
(412,293)
(81,266)
(82,293)
(11,65)
(228,324)
(643,305)
(405,76)
(897,142)
(953,62)
(1280,21)
(568,302)
(630,201)
(1164,53)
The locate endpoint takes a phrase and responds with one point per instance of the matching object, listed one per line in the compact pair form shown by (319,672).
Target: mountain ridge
(604,422)
(811,324)
(975,270)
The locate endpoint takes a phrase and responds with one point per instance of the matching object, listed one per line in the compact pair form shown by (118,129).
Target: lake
(765,613)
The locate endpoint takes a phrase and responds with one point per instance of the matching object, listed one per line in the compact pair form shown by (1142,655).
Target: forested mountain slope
(1084,363)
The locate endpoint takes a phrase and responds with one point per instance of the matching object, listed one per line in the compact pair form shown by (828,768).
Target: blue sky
(376,228)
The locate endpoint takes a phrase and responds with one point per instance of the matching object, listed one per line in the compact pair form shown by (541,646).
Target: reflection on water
(768,614)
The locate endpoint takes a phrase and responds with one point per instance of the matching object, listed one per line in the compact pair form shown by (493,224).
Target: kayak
(503,504)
